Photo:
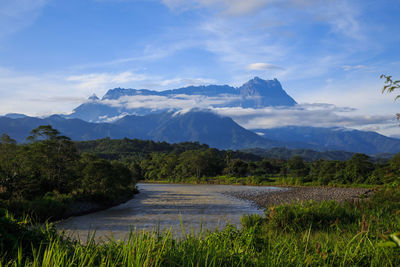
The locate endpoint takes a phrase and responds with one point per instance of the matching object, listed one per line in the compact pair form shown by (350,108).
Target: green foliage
(43,177)
(358,168)
(20,235)
(238,168)
(306,154)
(191,162)
(390,86)
(394,241)
(316,216)
(353,239)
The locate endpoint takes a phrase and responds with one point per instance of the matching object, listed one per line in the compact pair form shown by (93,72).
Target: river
(167,206)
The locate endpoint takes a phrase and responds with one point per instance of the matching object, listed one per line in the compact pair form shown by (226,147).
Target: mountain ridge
(219,132)
(256,93)
(208,128)
(333,138)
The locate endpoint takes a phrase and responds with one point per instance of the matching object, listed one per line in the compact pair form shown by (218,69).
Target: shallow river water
(165,206)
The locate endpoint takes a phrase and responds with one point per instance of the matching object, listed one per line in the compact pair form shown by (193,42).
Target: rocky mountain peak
(264,93)
(93,98)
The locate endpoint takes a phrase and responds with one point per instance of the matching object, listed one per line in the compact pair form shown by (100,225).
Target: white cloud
(231,7)
(361,92)
(172,102)
(37,94)
(263,66)
(353,67)
(95,81)
(41,94)
(318,115)
(237,48)
(342,15)
(188,81)
(129,79)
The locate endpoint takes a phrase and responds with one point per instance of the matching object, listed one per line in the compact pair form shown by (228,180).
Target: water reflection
(165,206)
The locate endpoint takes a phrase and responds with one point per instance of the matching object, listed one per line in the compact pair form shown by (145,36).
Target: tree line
(194,162)
(197,164)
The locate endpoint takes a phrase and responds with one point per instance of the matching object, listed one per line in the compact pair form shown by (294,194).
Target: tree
(297,167)
(8,166)
(52,157)
(238,168)
(358,168)
(8,150)
(98,177)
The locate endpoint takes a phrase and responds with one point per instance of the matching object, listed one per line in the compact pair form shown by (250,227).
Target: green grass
(305,234)
(254,180)
(230,247)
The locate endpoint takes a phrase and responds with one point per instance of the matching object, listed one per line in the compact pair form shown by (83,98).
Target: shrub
(16,234)
(322,215)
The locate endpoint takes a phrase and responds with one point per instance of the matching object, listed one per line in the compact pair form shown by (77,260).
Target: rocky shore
(300,194)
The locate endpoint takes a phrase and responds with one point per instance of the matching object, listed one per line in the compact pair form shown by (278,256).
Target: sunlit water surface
(164,207)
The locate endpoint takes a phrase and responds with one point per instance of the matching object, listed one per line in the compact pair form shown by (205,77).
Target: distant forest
(194,162)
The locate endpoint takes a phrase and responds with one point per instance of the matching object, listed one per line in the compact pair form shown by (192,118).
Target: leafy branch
(390,86)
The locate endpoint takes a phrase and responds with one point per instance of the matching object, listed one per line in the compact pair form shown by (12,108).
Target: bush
(16,234)
(322,215)
(51,206)
(252,220)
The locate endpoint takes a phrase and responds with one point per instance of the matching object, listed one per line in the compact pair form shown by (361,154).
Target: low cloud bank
(317,114)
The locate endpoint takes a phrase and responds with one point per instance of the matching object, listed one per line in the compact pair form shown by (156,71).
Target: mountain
(256,93)
(76,129)
(201,126)
(212,129)
(335,138)
(15,115)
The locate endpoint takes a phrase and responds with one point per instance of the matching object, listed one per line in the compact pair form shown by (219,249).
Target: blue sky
(55,53)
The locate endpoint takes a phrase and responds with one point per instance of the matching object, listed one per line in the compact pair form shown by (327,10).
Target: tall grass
(230,247)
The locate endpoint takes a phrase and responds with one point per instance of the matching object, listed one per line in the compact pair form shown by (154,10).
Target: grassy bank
(318,234)
(255,181)
(56,206)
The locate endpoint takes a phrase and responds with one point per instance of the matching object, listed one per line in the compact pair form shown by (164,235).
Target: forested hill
(207,128)
(306,154)
(201,126)
(133,148)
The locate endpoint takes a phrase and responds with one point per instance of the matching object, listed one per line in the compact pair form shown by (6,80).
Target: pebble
(265,199)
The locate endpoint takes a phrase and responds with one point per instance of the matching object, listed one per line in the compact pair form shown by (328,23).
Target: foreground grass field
(306,234)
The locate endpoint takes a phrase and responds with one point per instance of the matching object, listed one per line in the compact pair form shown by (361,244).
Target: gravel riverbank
(299,194)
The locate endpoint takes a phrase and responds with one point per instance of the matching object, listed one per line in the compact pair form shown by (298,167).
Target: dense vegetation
(317,234)
(306,154)
(48,174)
(192,162)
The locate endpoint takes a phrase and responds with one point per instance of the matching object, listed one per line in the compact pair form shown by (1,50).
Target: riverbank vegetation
(47,175)
(194,163)
(318,234)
